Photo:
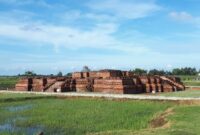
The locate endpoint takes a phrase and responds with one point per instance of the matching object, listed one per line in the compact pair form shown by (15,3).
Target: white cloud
(15,1)
(181,16)
(104,20)
(129,9)
(185,17)
(73,15)
(26,2)
(16,15)
(169,66)
(100,34)
(99,17)
(111,11)
(64,36)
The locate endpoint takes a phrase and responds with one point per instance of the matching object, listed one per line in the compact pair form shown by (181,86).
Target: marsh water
(10,127)
(19,108)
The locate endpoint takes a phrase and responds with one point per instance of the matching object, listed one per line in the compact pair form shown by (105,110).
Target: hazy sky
(48,36)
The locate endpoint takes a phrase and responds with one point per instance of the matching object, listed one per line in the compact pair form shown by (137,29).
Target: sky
(48,36)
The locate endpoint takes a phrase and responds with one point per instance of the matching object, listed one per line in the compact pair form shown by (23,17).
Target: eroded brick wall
(104,81)
(24,84)
(39,84)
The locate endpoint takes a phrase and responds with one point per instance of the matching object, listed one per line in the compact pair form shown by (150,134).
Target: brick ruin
(43,84)
(103,81)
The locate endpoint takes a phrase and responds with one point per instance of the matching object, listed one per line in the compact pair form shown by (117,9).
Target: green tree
(60,74)
(157,72)
(69,75)
(185,71)
(139,71)
(29,73)
(86,69)
(51,75)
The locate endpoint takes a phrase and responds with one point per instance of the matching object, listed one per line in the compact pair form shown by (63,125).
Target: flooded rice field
(16,118)
(10,125)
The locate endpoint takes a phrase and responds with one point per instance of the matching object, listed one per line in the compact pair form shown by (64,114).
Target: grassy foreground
(30,114)
(191,83)
(186,93)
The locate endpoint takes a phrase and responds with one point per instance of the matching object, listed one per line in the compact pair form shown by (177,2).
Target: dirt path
(111,96)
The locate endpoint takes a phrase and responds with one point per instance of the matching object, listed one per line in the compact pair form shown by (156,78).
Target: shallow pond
(10,127)
(19,108)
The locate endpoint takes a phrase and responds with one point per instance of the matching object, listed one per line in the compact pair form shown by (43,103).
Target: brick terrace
(103,81)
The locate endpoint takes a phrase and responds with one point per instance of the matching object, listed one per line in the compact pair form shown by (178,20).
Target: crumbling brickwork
(84,84)
(39,84)
(103,81)
(24,84)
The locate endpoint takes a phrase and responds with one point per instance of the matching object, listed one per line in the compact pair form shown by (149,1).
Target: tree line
(32,73)
(138,71)
(59,74)
(175,71)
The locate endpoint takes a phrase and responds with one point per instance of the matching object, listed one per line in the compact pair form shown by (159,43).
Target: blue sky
(48,36)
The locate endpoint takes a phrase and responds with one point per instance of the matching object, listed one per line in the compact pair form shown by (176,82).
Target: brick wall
(24,84)
(77,75)
(116,85)
(39,84)
(104,81)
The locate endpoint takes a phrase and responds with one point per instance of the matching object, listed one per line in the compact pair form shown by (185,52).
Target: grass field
(8,82)
(191,83)
(186,93)
(30,114)
(190,80)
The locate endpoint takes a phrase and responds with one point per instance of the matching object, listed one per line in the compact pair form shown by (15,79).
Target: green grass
(186,93)
(191,83)
(189,80)
(187,119)
(8,82)
(81,116)
(95,116)
(188,77)
(184,121)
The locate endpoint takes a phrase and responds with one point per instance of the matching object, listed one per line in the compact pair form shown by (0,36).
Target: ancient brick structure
(24,84)
(84,84)
(103,81)
(38,84)
(116,85)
